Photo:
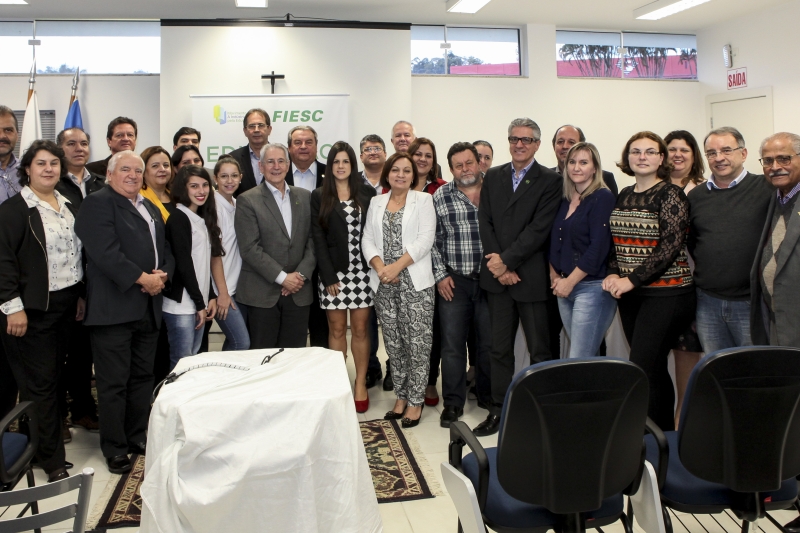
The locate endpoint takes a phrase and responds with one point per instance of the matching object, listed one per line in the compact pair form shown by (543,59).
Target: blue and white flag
(74,119)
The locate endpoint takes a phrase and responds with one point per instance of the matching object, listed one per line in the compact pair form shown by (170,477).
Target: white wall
(609,111)
(767,44)
(102,99)
(372,66)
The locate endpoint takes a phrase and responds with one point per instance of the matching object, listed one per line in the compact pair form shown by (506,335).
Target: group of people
(123,263)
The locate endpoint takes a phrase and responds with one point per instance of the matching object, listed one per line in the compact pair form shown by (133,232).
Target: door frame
(741,94)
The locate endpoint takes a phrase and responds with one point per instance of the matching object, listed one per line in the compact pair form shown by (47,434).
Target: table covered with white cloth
(272,447)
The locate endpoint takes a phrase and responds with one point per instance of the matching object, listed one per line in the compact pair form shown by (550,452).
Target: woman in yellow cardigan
(158,175)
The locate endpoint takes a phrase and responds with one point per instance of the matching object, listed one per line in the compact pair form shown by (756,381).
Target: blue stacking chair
(569,447)
(738,442)
(18,449)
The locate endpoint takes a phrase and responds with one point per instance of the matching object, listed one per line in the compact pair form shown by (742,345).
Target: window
(470,51)
(626,55)
(97,47)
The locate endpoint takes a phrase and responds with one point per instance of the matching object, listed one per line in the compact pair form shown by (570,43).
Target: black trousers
(652,325)
(436,347)
(161,363)
(506,313)
(284,325)
(36,360)
(76,376)
(123,363)
(317,318)
(8,385)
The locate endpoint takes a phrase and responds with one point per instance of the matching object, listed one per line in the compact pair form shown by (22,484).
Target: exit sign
(737,78)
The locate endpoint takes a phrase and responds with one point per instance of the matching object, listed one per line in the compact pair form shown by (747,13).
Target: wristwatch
(302,276)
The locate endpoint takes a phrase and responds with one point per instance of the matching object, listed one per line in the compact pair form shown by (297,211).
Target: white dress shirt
(232,260)
(201,257)
(285,207)
(138,203)
(307,179)
(81,184)
(712,184)
(62,246)
(255,162)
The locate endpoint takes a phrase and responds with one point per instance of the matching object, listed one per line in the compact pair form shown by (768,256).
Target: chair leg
(460,529)
(745,526)
(573,523)
(627,523)
(667,519)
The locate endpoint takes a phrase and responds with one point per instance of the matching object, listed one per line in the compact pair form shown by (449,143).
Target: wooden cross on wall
(272,77)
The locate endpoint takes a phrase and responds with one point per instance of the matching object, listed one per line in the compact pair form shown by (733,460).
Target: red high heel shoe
(361,405)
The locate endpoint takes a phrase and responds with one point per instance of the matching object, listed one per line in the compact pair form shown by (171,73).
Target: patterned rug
(400,473)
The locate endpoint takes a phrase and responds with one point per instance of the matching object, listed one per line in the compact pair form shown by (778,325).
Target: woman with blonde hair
(579,245)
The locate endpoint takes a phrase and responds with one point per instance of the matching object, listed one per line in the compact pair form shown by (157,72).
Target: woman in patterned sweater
(648,268)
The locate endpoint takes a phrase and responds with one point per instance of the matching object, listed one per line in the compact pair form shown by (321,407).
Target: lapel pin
(527,181)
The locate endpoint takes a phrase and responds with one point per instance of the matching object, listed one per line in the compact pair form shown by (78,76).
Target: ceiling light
(250,3)
(664,8)
(465,6)
(14,2)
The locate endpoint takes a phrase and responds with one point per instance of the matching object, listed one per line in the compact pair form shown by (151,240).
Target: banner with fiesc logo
(220,120)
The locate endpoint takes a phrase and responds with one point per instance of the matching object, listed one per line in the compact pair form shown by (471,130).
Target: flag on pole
(31,124)
(74,119)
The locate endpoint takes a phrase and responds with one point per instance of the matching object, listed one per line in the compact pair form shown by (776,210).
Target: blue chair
(737,443)
(18,449)
(569,447)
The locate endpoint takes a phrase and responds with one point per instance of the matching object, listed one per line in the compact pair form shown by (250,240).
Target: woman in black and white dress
(338,213)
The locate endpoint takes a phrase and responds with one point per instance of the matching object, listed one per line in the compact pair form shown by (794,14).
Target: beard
(468,181)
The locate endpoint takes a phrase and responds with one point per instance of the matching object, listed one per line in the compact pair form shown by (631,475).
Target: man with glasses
(726,217)
(273,229)
(518,203)
(257,129)
(121,136)
(373,156)
(776,271)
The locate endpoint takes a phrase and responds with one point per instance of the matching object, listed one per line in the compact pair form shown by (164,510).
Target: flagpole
(75,80)
(32,80)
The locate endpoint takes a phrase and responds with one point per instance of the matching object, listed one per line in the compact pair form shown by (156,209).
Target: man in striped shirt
(457,254)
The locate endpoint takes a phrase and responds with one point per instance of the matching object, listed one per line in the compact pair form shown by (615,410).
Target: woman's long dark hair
(329,195)
(698,167)
(433,173)
(208,211)
(178,155)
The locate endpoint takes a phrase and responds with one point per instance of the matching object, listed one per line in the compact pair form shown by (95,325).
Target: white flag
(31,124)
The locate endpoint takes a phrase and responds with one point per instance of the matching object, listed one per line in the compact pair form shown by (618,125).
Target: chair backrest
(17,450)
(462,493)
(740,424)
(76,511)
(571,432)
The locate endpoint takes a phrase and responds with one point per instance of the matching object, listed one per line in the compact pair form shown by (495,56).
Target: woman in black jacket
(194,237)
(41,289)
(338,214)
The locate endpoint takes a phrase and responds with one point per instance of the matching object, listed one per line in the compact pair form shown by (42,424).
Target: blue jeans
(235,328)
(722,323)
(184,340)
(469,306)
(587,314)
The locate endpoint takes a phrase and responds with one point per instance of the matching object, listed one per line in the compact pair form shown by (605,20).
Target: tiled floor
(435,515)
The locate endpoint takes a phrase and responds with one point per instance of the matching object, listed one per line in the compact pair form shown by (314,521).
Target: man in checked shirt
(457,254)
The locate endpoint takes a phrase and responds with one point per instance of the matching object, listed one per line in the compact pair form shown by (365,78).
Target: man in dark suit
(306,172)
(257,129)
(121,135)
(129,263)
(273,229)
(76,377)
(518,203)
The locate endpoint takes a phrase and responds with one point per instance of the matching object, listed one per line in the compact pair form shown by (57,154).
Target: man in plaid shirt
(457,255)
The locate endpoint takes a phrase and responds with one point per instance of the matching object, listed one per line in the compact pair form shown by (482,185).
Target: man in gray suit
(273,228)
(775,277)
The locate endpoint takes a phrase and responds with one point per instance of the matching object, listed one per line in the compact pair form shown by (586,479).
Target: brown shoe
(65,434)
(88,423)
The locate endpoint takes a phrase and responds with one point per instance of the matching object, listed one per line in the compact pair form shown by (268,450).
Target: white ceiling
(578,14)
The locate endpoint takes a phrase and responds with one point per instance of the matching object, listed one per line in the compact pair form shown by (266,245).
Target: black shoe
(391,415)
(793,526)
(373,376)
(450,414)
(408,423)
(490,426)
(388,382)
(57,475)
(119,464)
(137,448)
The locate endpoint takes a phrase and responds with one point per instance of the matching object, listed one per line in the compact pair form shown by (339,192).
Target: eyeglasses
(711,154)
(234,176)
(373,149)
(782,160)
(257,126)
(525,140)
(648,153)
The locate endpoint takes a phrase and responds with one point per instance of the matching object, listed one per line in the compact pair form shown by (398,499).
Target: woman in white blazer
(397,244)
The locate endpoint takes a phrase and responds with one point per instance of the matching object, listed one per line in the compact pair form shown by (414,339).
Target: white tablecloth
(274,448)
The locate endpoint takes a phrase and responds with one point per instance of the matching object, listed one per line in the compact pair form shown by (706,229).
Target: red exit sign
(737,78)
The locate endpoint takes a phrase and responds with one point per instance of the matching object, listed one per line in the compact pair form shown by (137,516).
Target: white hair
(112,163)
(792,137)
(413,129)
(270,146)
